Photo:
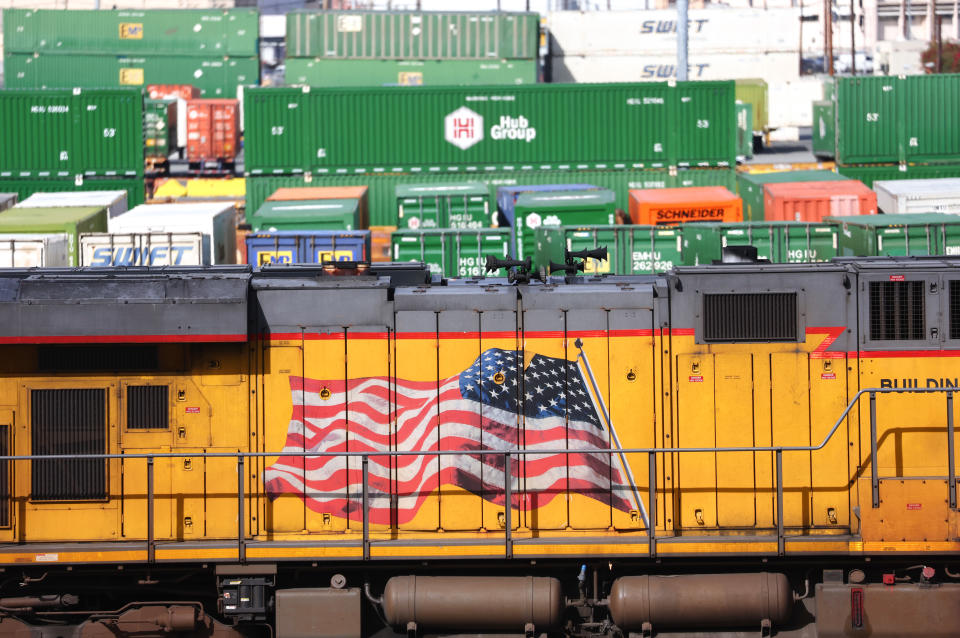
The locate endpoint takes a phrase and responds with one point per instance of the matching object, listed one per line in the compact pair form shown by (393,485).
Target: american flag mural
(476,409)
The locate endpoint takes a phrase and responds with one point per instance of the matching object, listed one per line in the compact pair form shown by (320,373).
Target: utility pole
(682,24)
(828,35)
(853,37)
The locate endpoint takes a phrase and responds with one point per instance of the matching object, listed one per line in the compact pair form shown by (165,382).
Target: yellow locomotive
(328,451)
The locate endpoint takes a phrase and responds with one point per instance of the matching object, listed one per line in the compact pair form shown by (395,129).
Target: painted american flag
(469,411)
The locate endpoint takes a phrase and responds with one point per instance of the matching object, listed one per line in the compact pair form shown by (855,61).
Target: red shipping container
(812,201)
(213,129)
(172,91)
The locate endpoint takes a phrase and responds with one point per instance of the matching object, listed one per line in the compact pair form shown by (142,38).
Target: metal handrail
(508,454)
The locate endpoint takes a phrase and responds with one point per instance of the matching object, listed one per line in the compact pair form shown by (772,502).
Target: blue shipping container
(307,247)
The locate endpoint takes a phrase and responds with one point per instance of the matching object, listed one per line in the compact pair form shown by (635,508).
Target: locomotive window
(896,310)
(148,407)
(69,422)
(97,358)
(756,316)
(955,309)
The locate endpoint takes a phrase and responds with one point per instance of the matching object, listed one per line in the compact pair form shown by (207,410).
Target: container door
(870,120)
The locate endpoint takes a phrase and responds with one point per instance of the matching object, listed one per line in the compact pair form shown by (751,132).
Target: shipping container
(344,73)
(456,205)
(317,214)
(71,221)
(26,187)
(299,247)
(472,130)
(143,249)
(451,252)
(216,221)
(213,76)
(631,250)
(33,251)
(200,188)
(870,174)
(213,130)
(172,91)
(7,200)
(159,128)
(380,246)
(753,91)
(666,206)
(899,235)
(744,132)
(356,214)
(116,202)
(823,131)
(399,35)
(557,208)
(814,201)
(175,32)
(777,242)
(383,201)
(56,134)
(750,187)
(918,196)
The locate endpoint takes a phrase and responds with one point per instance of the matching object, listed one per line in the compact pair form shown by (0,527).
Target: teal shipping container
(404,35)
(61,133)
(453,253)
(631,250)
(750,187)
(383,198)
(340,73)
(168,32)
(558,208)
(869,174)
(916,234)
(472,130)
(458,205)
(777,242)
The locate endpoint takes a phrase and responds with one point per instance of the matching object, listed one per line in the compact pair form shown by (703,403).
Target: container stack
(215,50)
(397,48)
(889,128)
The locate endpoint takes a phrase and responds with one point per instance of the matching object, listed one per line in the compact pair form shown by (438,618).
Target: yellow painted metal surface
(173,188)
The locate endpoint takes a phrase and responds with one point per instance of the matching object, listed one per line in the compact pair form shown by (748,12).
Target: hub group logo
(463,128)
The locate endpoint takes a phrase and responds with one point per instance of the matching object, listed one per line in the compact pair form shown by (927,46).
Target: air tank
(474,604)
(700,600)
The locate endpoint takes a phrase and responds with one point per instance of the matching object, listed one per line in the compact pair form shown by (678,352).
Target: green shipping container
(320,214)
(399,35)
(383,199)
(480,129)
(869,174)
(750,187)
(159,127)
(777,242)
(174,32)
(215,77)
(339,73)
(558,208)
(754,92)
(823,131)
(453,253)
(744,132)
(899,235)
(888,119)
(631,250)
(457,205)
(72,221)
(27,187)
(50,134)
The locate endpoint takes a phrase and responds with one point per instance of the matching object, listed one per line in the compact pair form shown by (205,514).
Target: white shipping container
(905,196)
(790,104)
(772,67)
(114,201)
(144,249)
(217,221)
(33,251)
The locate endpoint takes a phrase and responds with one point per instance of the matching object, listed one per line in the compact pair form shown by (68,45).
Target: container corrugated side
(412,35)
(343,73)
(754,91)
(907,235)
(452,252)
(814,201)
(558,208)
(293,247)
(870,174)
(823,131)
(115,201)
(217,222)
(144,249)
(56,134)
(382,188)
(159,127)
(33,251)
(631,250)
(72,221)
(24,188)
(213,76)
(931,128)
(213,129)
(170,32)
(750,187)
(475,130)
(744,132)
(918,196)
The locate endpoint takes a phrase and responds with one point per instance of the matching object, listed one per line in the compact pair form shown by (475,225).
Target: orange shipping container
(213,129)
(812,201)
(168,91)
(311,193)
(668,206)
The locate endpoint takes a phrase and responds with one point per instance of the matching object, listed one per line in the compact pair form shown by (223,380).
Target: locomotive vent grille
(97,358)
(955,309)
(754,316)
(148,407)
(896,310)
(69,422)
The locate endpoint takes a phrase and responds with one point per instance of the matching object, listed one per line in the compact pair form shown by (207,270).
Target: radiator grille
(5,476)
(758,316)
(148,407)
(955,309)
(97,358)
(68,422)
(896,310)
